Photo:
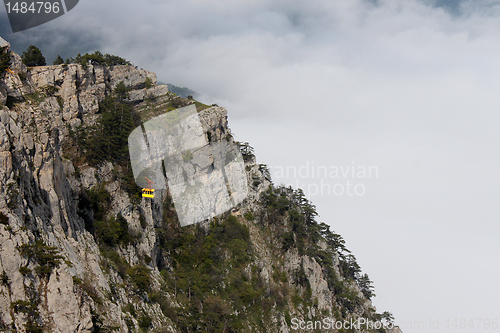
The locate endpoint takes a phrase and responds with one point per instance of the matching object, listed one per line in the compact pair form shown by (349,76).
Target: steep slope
(81,251)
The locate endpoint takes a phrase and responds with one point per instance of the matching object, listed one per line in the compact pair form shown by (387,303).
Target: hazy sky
(407,87)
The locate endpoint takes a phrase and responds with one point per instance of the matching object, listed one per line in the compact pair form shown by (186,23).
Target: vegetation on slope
(212,280)
(33,57)
(96,58)
(108,139)
(4,60)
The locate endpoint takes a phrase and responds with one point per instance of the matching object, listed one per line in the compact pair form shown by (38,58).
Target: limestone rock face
(16,63)
(80,88)
(122,73)
(40,191)
(3,95)
(148,93)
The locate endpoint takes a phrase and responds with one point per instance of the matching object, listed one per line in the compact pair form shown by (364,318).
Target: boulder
(132,77)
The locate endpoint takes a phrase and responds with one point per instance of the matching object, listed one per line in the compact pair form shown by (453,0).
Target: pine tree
(350,267)
(334,240)
(110,139)
(33,57)
(366,286)
(59,60)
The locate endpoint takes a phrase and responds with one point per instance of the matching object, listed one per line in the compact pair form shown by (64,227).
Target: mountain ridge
(81,251)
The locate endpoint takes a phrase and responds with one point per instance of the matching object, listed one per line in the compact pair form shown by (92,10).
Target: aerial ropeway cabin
(148,191)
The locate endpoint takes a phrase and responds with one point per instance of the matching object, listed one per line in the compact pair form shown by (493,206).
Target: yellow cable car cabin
(148,192)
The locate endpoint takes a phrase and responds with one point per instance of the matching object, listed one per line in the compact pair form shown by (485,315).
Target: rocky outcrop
(39,191)
(80,88)
(138,80)
(151,93)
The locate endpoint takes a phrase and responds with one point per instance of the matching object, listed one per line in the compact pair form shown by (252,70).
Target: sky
(406,89)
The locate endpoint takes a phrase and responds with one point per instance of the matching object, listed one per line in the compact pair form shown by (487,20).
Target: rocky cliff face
(81,252)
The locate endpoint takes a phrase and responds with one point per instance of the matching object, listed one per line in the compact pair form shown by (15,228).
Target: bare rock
(151,93)
(16,63)
(132,77)
(3,95)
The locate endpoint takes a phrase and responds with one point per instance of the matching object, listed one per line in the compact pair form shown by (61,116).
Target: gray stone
(132,77)
(3,95)
(4,117)
(151,93)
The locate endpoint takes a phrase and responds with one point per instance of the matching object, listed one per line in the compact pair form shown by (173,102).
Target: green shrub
(187,156)
(33,327)
(232,229)
(145,321)
(130,309)
(10,102)
(366,286)
(288,241)
(22,76)
(119,264)
(349,300)
(108,140)
(164,304)
(21,306)
(30,308)
(216,310)
(50,90)
(25,271)
(249,216)
(296,300)
(142,220)
(4,60)
(60,101)
(139,276)
(13,194)
(59,60)
(77,280)
(112,60)
(288,318)
(279,276)
(114,231)
(99,201)
(246,150)
(239,248)
(4,219)
(200,106)
(4,278)
(88,288)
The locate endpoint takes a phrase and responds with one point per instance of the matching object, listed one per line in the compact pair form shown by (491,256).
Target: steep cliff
(81,251)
